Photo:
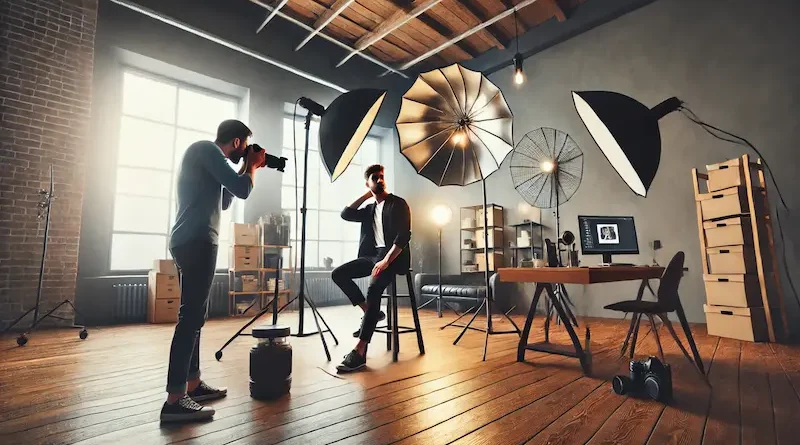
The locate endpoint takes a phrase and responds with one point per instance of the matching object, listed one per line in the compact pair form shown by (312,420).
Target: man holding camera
(206,186)
(382,253)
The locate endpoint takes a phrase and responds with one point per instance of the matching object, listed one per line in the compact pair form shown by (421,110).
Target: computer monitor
(608,235)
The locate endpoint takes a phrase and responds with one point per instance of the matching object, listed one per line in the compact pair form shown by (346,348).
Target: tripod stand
(489,299)
(301,295)
(45,201)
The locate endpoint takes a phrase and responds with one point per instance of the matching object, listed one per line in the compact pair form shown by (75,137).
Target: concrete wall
(729,60)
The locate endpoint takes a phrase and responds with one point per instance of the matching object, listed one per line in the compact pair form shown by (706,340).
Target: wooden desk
(545,277)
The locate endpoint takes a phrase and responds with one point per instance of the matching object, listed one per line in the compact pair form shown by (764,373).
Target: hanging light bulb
(458,137)
(519,77)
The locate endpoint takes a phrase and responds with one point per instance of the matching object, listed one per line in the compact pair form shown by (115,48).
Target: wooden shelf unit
(475,231)
(238,304)
(744,298)
(518,253)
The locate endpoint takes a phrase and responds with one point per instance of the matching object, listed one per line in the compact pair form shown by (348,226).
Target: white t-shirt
(377,225)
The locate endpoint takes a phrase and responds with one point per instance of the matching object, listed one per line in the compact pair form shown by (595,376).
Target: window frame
(298,120)
(179,84)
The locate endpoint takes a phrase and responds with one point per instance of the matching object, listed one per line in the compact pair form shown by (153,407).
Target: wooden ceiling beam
(393,22)
(558,12)
(271,15)
(468,15)
(467,33)
(324,19)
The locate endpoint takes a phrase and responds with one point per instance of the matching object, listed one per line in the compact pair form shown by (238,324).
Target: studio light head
(271,161)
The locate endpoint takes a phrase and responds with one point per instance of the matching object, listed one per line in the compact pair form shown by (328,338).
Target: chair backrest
(670,281)
(552,253)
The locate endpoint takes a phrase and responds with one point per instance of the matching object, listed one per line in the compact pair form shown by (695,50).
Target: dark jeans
(197,262)
(362,267)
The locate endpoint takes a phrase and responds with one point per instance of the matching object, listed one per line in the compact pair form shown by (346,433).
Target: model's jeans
(362,267)
(197,262)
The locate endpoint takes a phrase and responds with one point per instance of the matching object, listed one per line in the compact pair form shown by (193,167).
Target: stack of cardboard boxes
(163,292)
(246,262)
(736,268)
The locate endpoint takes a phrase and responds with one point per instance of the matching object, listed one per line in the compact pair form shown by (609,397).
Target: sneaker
(352,362)
(185,409)
(381,317)
(205,392)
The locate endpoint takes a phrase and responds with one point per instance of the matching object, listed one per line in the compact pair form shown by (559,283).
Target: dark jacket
(396,229)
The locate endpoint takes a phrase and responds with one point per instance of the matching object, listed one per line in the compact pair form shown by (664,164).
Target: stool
(392,330)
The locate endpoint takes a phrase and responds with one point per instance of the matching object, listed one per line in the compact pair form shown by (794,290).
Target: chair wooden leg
(635,335)
(671,330)
(414,313)
(395,332)
(655,332)
(628,336)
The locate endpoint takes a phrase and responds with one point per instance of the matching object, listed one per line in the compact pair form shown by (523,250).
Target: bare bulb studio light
(441,215)
(519,76)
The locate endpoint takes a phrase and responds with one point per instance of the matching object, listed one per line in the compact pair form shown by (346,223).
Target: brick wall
(46,60)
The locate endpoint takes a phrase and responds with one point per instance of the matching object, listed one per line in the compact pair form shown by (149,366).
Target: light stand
(45,201)
(489,299)
(441,215)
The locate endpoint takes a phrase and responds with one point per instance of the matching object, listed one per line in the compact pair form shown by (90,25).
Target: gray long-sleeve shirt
(206,186)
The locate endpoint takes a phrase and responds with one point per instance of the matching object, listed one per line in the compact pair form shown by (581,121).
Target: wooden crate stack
(163,292)
(744,299)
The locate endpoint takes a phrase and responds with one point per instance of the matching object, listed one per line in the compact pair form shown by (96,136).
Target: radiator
(325,292)
(131,303)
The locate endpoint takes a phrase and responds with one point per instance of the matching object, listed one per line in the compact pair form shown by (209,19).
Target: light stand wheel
(22,340)
(83,334)
(218,355)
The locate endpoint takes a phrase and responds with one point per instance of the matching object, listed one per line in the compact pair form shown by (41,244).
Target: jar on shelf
(270,362)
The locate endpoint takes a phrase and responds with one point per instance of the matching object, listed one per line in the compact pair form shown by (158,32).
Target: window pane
(145,144)
(139,214)
(351,231)
(350,251)
(331,226)
(148,98)
(288,200)
(142,182)
(225,221)
(203,111)
(223,254)
(369,151)
(136,251)
(312,258)
(312,224)
(332,250)
(300,131)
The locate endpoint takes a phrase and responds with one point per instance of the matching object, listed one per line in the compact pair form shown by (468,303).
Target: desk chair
(392,329)
(668,301)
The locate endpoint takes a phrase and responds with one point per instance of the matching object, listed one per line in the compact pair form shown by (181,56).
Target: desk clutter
(256,264)
(744,299)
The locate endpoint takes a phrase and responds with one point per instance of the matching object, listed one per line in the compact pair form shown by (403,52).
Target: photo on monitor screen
(607,234)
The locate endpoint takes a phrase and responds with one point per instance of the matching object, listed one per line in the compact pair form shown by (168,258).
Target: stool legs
(414,312)
(395,332)
(389,323)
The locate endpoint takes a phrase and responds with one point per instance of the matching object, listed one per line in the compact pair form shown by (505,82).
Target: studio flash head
(271,161)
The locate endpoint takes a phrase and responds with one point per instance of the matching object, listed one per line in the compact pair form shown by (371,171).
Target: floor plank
(109,388)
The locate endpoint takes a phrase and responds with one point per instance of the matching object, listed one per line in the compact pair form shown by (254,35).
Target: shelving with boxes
(744,299)
(163,292)
(250,266)
(472,257)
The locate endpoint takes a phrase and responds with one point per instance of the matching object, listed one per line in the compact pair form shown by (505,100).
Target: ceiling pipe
(272,14)
(190,29)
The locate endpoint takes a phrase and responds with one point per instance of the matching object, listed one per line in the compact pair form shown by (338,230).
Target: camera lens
(652,387)
(621,384)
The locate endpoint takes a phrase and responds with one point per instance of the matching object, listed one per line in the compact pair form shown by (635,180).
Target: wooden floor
(108,389)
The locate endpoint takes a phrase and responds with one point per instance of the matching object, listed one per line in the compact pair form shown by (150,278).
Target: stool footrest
(400,330)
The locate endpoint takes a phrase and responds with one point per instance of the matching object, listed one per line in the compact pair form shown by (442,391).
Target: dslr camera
(648,376)
(271,161)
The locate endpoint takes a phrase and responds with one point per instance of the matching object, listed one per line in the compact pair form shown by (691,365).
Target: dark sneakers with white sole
(204,392)
(185,409)
(352,362)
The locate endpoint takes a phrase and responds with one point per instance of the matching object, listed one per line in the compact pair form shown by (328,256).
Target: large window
(327,235)
(160,119)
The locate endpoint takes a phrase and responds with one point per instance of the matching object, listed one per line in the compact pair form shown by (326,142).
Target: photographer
(206,185)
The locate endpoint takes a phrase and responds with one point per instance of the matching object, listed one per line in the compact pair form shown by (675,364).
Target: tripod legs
(23,338)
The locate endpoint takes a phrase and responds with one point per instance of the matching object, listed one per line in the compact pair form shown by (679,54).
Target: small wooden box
(731,260)
(250,283)
(732,290)
(728,232)
(245,258)
(725,175)
(725,203)
(495,238)
(165,266)
(741,323)
(495,216)
(162,285)
(495,261)
(163,310)
(245,234)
